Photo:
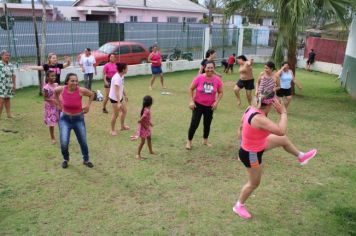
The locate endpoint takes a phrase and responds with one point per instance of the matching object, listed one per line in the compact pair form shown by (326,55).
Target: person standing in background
(53,65)
(88,67)
(311,59)
(7,82)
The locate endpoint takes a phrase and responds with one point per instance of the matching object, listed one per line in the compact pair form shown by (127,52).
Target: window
(122,50)
(133,18)
(172,19)
(192,20)
(74,18)
(155,19)
(137,49)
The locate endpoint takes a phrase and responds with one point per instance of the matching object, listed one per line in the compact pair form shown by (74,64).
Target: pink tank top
(71,102)
(253,139)
(156,57)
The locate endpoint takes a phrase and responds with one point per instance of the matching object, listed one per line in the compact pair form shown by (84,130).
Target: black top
(203,63)
(56,68)
(311,56)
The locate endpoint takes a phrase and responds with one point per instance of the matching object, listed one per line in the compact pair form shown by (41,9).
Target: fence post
(206,41)
(157,33)
(240,40)
(187,38)
(71,33)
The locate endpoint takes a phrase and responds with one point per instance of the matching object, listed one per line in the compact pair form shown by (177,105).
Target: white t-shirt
(116,80)
(87,63)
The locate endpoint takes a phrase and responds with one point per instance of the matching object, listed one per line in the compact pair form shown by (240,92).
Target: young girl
(267,83)
(144,130)
(51,111)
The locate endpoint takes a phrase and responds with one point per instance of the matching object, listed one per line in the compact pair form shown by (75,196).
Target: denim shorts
(156,70)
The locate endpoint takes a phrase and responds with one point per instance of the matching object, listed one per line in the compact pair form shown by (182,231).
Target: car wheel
(143,61)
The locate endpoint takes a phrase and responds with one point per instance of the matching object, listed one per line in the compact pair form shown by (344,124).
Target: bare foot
(205,142)
(153,153)
(188,146)
(150,88)
(139,157)
(53,141)
(125,127)
(133,137)
(238,102)
(10,116)
(113,133)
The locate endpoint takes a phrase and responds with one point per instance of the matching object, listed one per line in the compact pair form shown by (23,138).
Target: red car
(127,52)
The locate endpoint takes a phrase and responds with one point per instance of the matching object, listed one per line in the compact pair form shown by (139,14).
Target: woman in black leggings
(208,93)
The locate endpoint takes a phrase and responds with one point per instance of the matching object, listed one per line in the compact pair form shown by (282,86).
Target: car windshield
(107,48)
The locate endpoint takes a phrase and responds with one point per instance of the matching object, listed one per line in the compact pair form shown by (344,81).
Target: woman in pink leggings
(258,134)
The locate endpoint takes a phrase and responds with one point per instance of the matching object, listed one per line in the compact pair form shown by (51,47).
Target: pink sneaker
(307,157)
(241,210)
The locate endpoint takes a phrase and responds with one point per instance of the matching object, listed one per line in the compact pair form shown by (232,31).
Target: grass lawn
(179,192)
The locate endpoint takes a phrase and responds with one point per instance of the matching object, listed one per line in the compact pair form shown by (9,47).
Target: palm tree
(290,18)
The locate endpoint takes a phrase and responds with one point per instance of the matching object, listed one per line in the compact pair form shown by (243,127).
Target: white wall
(27,78)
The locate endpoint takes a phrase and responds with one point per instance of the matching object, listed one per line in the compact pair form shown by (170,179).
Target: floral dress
(6,85)
(51,113)
(145,127)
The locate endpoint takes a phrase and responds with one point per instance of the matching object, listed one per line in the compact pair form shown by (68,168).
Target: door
(139,54)
(123,54)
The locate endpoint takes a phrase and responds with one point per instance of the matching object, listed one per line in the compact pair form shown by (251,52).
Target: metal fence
(186,37)
(63,38)
(259,41)
(70,38)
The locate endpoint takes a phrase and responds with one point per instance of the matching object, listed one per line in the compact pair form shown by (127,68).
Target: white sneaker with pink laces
(241,210)
(307,157)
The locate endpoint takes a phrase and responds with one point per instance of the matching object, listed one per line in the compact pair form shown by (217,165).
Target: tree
(43,33)
(291,17)
(37,47)
(195,1)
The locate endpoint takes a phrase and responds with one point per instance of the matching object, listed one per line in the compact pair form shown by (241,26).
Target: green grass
(179,192)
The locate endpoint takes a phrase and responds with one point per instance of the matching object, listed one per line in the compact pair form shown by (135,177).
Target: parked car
(128,52)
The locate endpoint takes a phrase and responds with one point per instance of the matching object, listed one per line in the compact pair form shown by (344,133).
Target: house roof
(169,5)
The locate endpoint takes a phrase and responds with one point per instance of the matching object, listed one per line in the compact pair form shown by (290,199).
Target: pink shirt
(253,139)
(156,57)
(110,69)
(205,93)
(71,102)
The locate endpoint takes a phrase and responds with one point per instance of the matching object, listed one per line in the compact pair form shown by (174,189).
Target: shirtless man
(246,79)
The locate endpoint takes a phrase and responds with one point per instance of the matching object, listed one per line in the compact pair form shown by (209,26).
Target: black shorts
(247,84)
(284,92)
(109,81)
(114,101)
(309,62)
(230,66)
(250,159)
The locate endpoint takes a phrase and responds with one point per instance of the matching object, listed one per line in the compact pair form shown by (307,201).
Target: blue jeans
(66,124)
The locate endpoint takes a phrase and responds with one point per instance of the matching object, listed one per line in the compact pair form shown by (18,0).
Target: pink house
(135,11)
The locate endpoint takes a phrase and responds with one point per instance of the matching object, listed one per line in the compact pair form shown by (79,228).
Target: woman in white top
(286,76)
(118,98)
(88,67)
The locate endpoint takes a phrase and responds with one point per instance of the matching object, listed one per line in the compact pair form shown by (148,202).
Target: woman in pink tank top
(156,66)
(69,97)
(258,133)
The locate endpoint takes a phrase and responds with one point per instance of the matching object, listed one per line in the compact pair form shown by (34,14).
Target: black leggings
(196,116)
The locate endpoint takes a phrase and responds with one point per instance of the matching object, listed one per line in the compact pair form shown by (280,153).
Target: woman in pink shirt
(208,93)
(156,66)
(257,134)
(108,72)
(69,97)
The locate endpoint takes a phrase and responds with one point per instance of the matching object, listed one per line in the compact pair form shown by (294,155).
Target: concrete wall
(27,78)
(146,15)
